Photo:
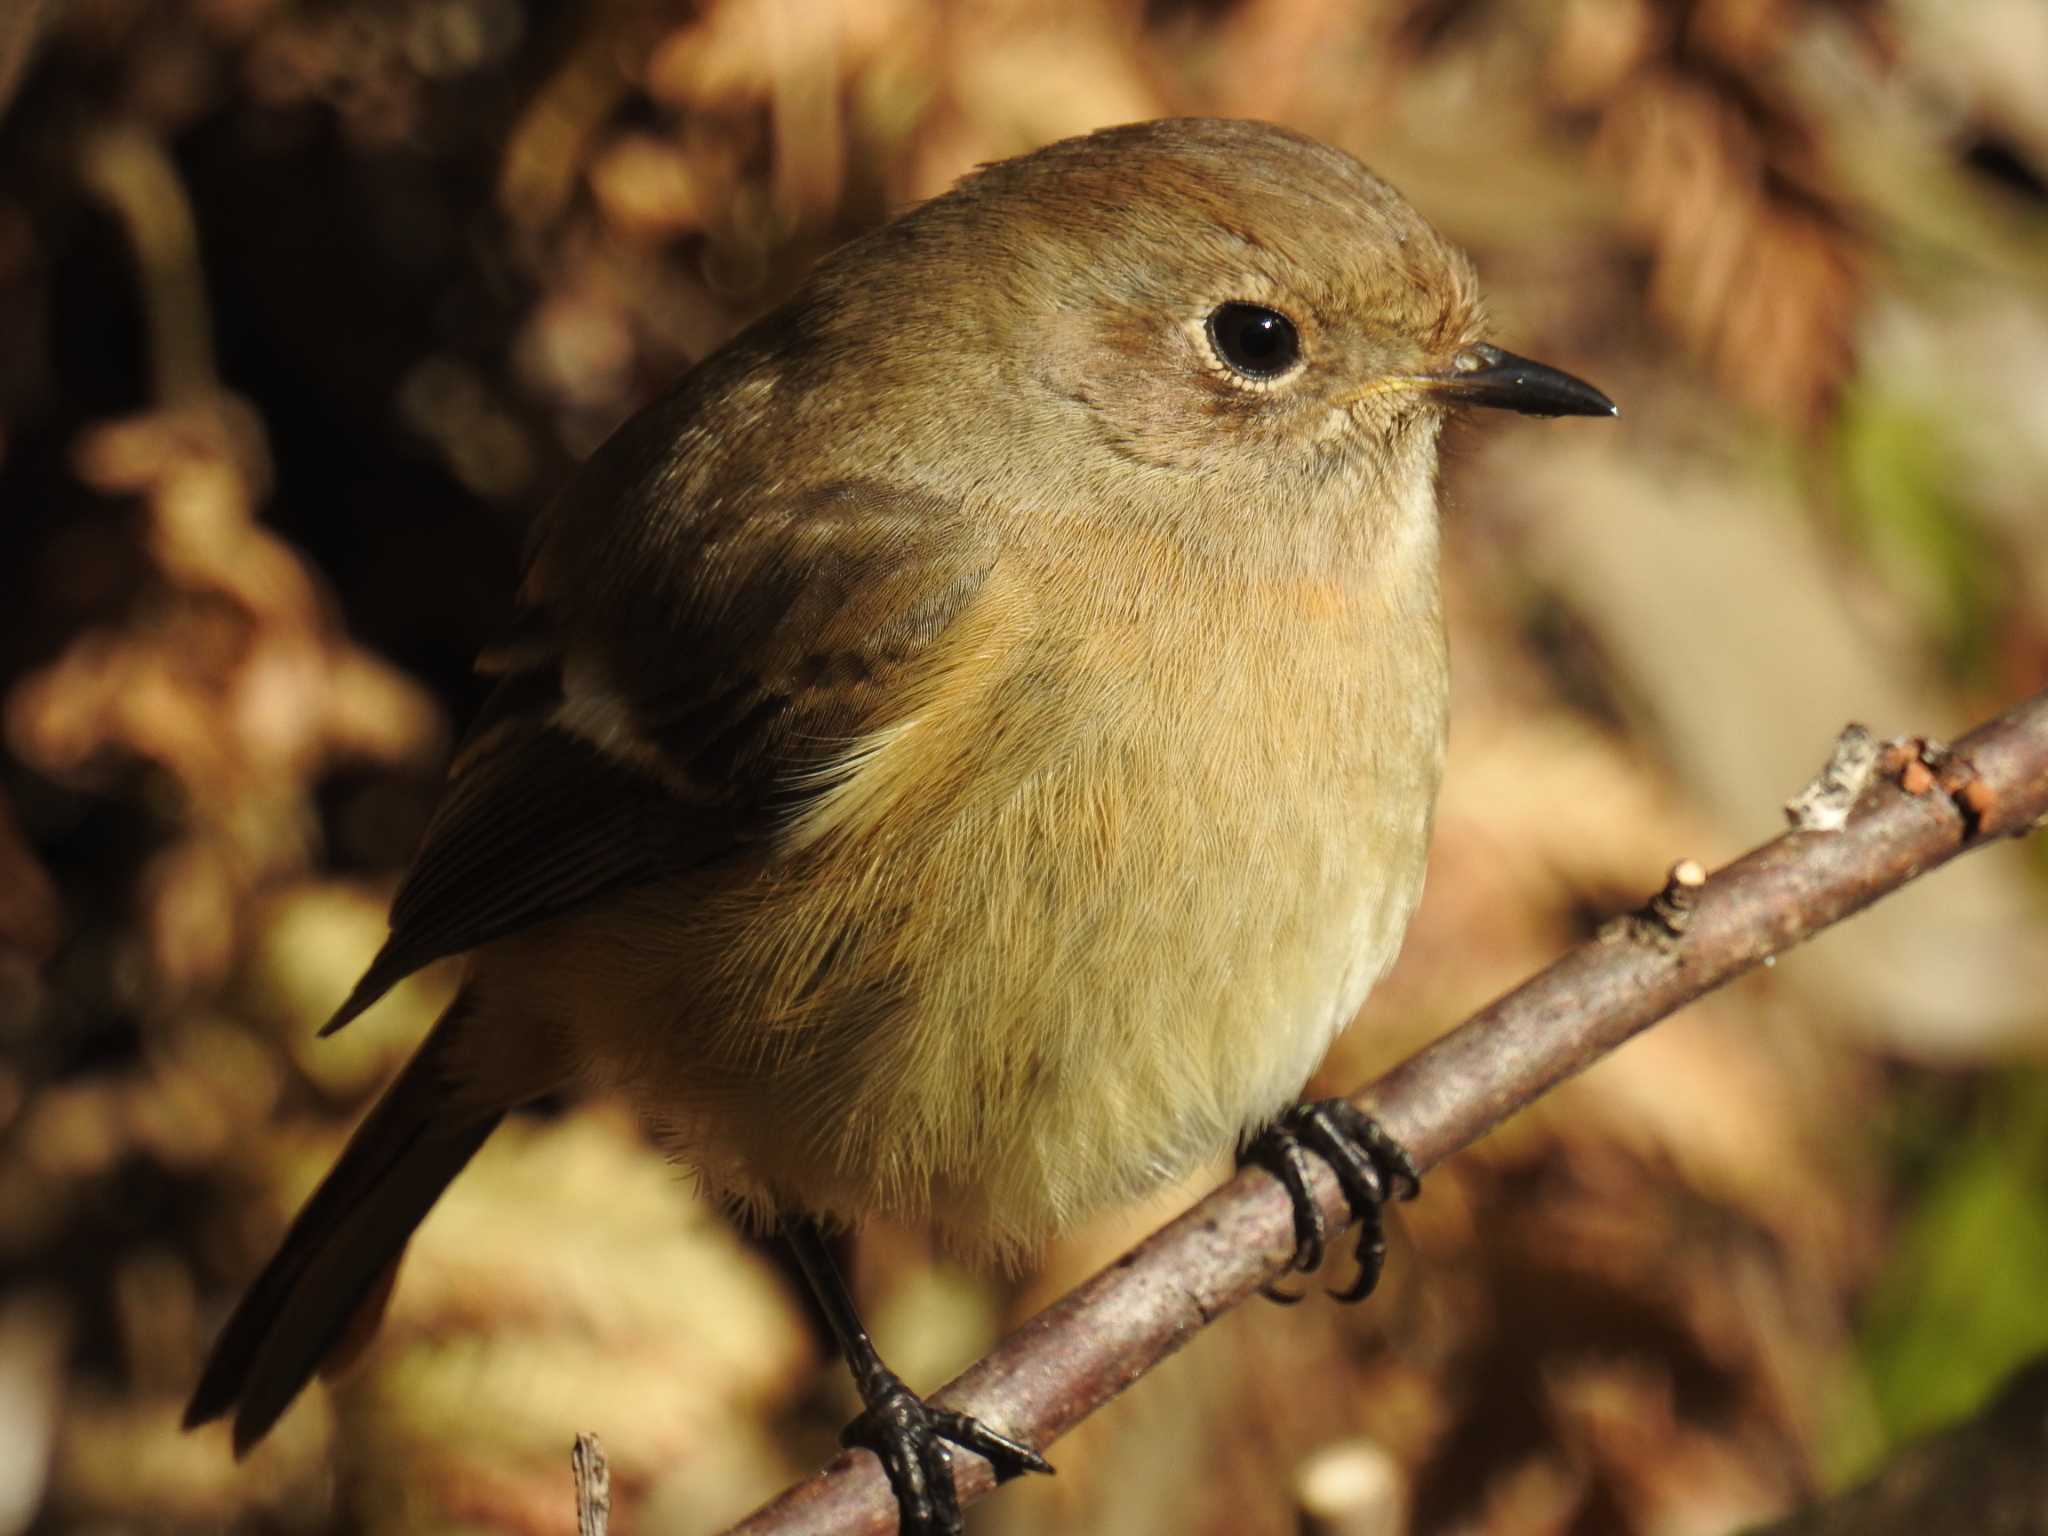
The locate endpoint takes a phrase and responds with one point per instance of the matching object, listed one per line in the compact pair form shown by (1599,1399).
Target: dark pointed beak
(1485,375)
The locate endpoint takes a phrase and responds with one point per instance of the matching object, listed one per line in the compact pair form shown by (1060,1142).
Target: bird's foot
(913,1440)
(1370,1165)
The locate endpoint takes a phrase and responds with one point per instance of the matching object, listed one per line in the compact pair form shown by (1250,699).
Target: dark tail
(325,1286)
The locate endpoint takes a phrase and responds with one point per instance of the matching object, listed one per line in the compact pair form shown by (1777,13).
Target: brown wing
(646,727)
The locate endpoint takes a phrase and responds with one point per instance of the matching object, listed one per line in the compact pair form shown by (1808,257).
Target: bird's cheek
(1065,346)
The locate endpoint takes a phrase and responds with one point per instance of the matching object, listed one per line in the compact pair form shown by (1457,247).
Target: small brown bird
(969,746)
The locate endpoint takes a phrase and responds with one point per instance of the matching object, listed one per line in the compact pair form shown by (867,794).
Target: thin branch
(1695,935)
(593,1475)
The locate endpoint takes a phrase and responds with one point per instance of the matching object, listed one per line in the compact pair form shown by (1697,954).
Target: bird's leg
(909,1435)
(1370,1165)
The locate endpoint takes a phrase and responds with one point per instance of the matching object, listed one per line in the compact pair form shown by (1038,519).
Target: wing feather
(720,696)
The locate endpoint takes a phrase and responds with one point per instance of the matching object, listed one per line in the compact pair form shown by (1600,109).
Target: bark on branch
(1872,821)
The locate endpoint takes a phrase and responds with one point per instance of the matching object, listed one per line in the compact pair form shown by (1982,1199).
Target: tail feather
(387,970)
(342,1245)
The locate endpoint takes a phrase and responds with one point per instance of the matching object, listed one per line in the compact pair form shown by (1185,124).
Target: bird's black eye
(1252,340)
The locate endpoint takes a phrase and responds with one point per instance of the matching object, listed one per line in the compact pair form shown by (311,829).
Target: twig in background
(593,1476)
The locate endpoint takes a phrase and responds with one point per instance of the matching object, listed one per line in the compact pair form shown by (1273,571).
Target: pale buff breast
(1052,943)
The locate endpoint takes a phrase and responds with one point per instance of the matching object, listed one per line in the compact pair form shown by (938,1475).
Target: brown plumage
(971,745)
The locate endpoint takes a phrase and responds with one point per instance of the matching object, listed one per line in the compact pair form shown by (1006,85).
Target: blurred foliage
(1899,485)
(1961,1300)
(307,305)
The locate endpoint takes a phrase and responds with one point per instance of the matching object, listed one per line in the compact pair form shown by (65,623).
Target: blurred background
(306,306)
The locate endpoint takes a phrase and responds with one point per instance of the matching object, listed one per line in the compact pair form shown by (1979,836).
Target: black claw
(1371,1256)
(913,1441)
(1283,1157)
(897,1428)
(1370,1165)
(1010,1458)
(909,1435)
